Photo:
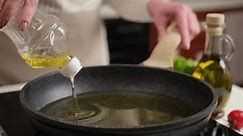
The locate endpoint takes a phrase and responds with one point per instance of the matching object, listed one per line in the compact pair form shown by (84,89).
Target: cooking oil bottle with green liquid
(213,67)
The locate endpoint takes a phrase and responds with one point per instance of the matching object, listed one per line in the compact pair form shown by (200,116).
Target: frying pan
(51,87)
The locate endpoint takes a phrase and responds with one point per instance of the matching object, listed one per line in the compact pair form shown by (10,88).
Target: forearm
(133,10)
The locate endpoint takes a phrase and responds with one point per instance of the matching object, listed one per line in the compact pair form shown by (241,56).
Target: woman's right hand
(165,12)
(8,8)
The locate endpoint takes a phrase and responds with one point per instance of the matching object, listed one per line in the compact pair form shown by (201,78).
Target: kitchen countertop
(11,88)
(235,103)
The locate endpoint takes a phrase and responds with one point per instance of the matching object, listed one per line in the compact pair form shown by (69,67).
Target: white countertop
(235,103)
(11,88)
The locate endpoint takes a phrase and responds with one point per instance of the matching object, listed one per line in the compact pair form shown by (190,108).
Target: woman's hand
(164,12)
(10,7)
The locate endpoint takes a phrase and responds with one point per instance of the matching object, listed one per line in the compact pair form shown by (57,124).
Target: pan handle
(2,132)
(164,52)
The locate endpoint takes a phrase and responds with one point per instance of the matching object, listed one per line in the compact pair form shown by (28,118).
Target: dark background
(128,42)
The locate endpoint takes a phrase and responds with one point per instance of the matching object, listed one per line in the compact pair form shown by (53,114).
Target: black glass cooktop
(15,123)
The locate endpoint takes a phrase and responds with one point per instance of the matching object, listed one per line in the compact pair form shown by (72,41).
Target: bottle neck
(213,44)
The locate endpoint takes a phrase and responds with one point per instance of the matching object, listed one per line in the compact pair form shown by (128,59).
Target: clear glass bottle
(213,67)
(44,43)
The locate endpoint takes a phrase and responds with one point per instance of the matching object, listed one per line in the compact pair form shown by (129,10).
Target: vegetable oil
(44,61)
(213,67)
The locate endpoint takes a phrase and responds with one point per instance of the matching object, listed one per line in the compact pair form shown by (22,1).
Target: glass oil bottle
(213,67)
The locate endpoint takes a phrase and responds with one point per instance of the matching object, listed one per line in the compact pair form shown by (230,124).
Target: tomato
(235,119)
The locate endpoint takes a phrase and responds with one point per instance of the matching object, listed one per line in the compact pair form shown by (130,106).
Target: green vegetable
(184,65)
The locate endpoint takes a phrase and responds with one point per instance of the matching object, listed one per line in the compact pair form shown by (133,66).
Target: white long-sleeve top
(87,35)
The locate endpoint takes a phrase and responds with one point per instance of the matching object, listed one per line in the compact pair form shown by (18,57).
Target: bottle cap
(215,23)
(215,19)
(71,68)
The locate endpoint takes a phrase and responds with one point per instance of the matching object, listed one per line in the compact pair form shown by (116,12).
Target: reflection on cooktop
(15,123)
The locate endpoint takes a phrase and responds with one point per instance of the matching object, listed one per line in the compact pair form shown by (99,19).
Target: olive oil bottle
(213,67)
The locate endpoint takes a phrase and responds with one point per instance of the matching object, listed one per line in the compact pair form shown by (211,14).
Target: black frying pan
(49,88)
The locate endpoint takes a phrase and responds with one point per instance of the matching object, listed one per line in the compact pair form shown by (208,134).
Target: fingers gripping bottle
(44,43)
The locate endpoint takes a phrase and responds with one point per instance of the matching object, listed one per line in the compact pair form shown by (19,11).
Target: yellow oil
(215,73)
(45,61)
